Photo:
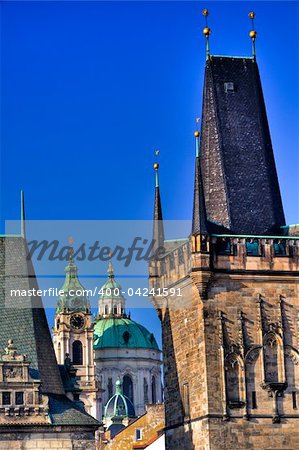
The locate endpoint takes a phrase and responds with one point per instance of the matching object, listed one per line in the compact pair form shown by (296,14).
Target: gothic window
(77,353)
(145,390)
(114,309)
(154,392)
(110,388)
(294,399)
(253,400)
(5,398)
(128,387)
(58,324)
(233,374)
(271,359)
(19,398)
(106,310)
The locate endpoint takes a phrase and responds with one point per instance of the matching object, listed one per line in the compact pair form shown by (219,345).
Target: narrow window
(294,398)
(5,398)
(106,310)
(186,403)
(253,399)
(154,391)
(128,387)
(110,387)
(19,398)
(138,434)
(77,353)
(115,309)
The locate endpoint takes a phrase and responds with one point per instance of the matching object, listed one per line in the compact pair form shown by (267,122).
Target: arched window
(271,358)
(106,310)
(58,324)
(115,309)
(110,388)
(154,392)
(128,387)
(77,353)
(59,353)
(145,390)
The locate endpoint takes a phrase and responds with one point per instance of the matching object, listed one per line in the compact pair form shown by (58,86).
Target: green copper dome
(73,297)
(122,332)
(119,405)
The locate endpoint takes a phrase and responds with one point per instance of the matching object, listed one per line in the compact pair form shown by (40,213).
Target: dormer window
(229,87)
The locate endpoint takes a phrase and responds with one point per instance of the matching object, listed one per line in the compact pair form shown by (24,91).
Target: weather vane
(252,33)
(207,31)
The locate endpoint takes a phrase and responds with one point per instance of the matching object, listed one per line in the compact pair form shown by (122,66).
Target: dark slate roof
(65,412)
(23,318)
(238,168)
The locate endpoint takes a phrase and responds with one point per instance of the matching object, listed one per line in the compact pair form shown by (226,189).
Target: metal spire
(23,229)
(252,33)
(199,225)
(207,31)
(158,229)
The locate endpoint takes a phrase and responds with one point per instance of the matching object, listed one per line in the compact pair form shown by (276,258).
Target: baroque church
(108,349)
(230,343)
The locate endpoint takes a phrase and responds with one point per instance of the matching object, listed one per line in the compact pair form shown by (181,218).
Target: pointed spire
(206,31)
(252,33)
(158,229)
(199,222)
(110,270)
(23,229)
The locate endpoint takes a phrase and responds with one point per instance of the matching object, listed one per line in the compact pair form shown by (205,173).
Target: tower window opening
(128,387)
(114,309)
(154,392)
(77,353)
(294,399)
(126,336)
(106,310)
(253,400)
(186,403)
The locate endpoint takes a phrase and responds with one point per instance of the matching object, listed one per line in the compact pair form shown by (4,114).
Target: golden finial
(252,33)
(156,164)
(156,167)
(196,135)
(206,31)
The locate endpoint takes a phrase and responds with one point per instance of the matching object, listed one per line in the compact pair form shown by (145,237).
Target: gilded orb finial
(206,31)
(252,33)
(196,133)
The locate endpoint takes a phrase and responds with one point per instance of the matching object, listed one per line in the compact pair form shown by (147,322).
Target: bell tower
(73,335)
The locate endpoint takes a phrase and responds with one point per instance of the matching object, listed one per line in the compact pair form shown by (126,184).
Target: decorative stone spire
(73,297)
(158,228)
(111,301)
(199,221)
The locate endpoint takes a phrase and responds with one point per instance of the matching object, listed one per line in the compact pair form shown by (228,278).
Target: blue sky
(90,89)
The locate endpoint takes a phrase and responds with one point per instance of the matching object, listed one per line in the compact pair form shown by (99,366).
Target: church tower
(73,335)
(230,337)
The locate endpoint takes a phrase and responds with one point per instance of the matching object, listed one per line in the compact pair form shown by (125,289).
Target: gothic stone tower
(73,335)
(231,363)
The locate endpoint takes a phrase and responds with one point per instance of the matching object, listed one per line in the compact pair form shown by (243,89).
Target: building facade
(39,399)
(230,343)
